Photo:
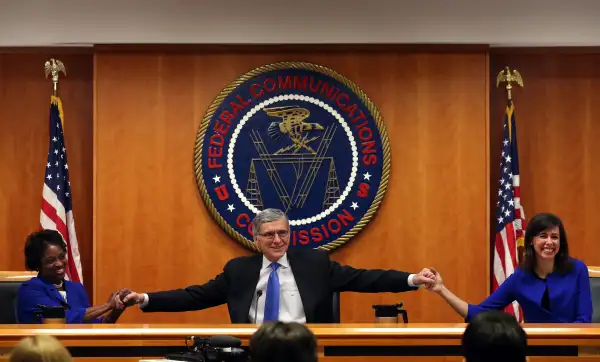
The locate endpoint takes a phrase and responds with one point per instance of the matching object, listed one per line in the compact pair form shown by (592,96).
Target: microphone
(64,304)
(258,295)
(224,341)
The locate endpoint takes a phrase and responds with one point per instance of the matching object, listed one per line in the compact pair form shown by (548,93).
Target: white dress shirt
(63,293)
(290,303)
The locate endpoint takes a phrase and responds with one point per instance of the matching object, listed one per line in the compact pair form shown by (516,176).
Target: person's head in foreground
(546,244)
(494,336)
(40,348)
(278,341)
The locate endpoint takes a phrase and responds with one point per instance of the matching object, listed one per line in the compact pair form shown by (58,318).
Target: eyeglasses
(271,234)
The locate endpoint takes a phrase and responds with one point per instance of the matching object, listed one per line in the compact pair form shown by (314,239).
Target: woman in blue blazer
(549,286)
(45,252)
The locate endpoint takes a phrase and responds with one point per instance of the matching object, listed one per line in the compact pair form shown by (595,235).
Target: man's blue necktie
(272,301)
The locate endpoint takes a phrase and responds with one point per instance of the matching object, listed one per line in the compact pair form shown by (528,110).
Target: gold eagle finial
(54,67)
(507,76)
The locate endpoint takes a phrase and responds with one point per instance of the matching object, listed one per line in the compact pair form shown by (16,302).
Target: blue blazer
(39,291)
(569,294)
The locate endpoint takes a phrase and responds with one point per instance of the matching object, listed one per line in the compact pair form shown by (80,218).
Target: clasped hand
(115,301)
(430,279)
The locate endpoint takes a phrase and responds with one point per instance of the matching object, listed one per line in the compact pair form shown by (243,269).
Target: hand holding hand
(439,283)
(425,277)
(114,302)
(132,298)
(123,293)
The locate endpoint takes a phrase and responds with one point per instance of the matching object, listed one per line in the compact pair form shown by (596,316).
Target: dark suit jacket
(316,275)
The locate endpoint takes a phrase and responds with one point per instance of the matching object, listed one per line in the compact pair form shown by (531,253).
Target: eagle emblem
(294,126)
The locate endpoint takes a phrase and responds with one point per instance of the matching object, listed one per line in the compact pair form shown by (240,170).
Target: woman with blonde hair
(41,348)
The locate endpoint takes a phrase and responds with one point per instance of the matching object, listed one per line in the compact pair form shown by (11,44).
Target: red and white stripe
(54,217)
(506,255)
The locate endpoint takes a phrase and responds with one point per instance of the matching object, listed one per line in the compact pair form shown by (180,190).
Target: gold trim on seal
(292,65)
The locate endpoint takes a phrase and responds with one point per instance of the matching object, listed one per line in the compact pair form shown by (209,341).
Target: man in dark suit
(295,285)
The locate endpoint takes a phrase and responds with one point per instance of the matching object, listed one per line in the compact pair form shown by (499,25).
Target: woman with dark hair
(549,286)
(45,252)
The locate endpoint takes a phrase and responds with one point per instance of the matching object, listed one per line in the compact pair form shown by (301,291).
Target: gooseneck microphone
(64,304)
(258,295)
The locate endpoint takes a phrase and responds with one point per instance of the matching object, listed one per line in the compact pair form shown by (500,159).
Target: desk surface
(434,334)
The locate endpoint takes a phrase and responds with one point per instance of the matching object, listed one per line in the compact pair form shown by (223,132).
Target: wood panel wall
(24,126)
(153,232)
(558,113)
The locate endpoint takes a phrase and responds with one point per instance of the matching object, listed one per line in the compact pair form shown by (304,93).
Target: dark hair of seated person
(278,342)
(36,246)
(494,336)
(538,224)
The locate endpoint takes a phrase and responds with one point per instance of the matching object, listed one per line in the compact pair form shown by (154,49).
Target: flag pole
(54,67)
(509,77)
(57,206)
(511,225)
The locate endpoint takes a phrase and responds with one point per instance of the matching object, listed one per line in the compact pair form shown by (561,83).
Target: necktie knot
(275,266)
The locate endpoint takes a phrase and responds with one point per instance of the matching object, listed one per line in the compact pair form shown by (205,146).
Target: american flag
(510,218)
(57,207)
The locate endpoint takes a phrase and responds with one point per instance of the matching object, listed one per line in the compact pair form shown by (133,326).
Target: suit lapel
(252,272)
(302,277)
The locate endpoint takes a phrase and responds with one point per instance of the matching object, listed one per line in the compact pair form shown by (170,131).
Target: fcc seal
(298,137)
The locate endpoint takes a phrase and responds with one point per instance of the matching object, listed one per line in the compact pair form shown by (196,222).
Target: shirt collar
(283,261)
(49,283)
